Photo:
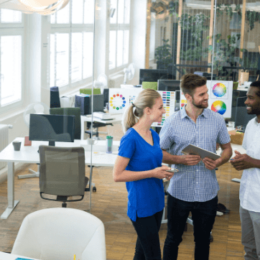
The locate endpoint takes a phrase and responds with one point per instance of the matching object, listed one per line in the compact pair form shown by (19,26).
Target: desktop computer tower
(83,102)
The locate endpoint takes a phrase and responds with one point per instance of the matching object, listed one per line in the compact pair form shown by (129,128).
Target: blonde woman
(139,164)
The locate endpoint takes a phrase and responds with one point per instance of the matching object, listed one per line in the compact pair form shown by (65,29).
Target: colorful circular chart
(219,90)
(117,101)
(219,106)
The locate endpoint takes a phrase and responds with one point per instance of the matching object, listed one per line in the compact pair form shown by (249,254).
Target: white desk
(29,154)
(5,256)
(88,118)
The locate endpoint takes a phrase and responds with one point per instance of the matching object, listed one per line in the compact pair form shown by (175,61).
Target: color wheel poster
(120,99)
(168,98)
(220,97)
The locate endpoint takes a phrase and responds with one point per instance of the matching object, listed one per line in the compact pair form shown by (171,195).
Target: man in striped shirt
(194,188)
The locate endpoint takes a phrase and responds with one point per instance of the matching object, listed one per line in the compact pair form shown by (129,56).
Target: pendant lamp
(39,3)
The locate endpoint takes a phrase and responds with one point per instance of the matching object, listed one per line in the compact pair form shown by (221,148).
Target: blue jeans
(203,215)
(148,243)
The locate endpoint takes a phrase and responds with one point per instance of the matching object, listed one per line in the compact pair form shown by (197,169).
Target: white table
(29,154)
(5,256)
(88,118)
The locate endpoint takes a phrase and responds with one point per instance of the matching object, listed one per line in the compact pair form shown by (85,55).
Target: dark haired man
(194,188)
(250,182)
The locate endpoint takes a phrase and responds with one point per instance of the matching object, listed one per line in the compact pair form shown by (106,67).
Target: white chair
(61,233)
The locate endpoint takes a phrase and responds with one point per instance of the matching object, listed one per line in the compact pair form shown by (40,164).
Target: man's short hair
(191,81)
(256,84)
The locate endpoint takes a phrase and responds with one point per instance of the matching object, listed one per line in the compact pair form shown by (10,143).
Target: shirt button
(197,170)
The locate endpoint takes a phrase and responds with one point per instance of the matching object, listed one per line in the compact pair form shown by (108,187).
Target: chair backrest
(151,85)
(54,97)
(62,170)
(59,233)
(88,91)
(70,111)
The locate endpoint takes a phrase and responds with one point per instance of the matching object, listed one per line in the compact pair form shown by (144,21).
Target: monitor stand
(51,143)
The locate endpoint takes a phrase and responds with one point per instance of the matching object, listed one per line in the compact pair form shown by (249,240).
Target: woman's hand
(161,172)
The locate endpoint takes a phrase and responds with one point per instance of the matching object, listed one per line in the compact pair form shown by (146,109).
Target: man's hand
(189,159)
(211,164)
(241,161)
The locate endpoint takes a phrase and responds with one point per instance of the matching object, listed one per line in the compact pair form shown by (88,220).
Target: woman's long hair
(146,98)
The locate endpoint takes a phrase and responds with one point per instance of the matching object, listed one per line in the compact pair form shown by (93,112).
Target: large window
(71,44)
(119,33)
(11,39)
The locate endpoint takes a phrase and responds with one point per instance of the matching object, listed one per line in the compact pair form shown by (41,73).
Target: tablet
(192,149)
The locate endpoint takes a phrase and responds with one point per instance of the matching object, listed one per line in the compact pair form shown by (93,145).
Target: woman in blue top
(139,164)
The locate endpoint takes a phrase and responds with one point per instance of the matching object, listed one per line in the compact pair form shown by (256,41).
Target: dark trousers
(203,216)
(148,243)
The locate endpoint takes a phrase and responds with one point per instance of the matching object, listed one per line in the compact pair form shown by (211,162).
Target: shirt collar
(205,113)
(256,121)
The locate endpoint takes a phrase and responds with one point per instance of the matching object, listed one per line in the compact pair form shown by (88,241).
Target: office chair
(62,173)
(54,97)
(151,85)
(59,111)
(96,125)
(88,91)
(61,233)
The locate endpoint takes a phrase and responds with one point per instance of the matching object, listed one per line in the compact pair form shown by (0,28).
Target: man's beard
(199,105)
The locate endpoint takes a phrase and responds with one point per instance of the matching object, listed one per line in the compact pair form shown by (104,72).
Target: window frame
(15,29)
(71,28)
(120,27)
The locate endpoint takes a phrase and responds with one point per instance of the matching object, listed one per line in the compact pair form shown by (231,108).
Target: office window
(71,44)
(11,38)
(119,34)
(9,16)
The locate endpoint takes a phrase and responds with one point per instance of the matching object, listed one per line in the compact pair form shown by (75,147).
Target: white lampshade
(44,7)
(39,3)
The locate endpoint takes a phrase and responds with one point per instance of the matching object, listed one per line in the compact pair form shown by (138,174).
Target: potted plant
(163,55)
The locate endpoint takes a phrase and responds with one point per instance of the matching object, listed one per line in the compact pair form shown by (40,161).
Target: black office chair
(62,173)
(95,132)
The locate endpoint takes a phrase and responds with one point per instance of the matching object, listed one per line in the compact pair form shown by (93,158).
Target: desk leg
(10,192)
(90,186)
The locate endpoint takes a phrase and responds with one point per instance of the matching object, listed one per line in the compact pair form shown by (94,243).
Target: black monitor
(98,103)
(168,85)
(106,96)
(241,115)
(150,75)
(51,128)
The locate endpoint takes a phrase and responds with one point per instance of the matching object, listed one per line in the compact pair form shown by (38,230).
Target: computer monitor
(106,96)
(98,103)
(150,75)
(51,128)
(241,115)
(168,85)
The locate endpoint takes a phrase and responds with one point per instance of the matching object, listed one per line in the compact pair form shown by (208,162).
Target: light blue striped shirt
(193,183)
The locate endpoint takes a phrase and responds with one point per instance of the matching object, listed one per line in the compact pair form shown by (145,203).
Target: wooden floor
(109,204)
